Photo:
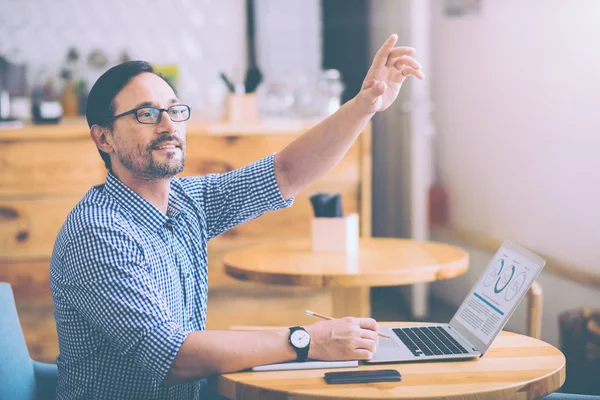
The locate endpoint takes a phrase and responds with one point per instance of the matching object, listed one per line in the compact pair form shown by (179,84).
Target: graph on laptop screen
(497,293)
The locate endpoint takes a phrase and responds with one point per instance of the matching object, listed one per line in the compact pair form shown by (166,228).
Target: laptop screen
(498,292)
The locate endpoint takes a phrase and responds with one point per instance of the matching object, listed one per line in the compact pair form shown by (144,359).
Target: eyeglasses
(153,115)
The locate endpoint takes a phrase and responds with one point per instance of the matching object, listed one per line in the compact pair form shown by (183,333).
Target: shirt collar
(141,209)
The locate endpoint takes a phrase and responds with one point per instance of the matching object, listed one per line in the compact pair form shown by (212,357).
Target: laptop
(478,320)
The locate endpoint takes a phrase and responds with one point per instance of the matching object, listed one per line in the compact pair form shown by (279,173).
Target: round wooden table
(378,262)
(514,367)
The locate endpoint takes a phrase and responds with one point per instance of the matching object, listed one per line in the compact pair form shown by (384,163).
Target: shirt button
(190,319)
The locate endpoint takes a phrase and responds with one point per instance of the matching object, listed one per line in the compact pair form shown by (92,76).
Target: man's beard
(149,168)
(164,170)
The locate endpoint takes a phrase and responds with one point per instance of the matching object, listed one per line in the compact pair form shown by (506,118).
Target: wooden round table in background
(378,262)
(514,367)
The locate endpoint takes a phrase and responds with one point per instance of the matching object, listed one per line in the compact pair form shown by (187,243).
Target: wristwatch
(300,341)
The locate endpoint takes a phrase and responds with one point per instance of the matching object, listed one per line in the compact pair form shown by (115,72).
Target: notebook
(309,364)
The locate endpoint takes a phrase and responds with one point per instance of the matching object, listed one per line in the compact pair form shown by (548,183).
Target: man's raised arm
(316,152)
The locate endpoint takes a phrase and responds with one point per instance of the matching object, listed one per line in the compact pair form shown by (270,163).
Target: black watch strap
(301,352)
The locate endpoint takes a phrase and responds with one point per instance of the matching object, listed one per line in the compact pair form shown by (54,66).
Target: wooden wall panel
(254,304)
(29,279)
(65,167)
(61,168)
(28,227)
(45,171)
(206,154)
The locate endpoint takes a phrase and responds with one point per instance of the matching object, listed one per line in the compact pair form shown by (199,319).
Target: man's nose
(165,122)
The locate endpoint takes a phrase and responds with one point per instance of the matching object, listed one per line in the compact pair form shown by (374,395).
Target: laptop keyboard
(429,341)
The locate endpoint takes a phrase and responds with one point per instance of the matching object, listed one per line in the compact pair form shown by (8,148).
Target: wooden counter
(46,170)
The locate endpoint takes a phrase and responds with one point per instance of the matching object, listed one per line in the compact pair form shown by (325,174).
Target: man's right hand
(343,339)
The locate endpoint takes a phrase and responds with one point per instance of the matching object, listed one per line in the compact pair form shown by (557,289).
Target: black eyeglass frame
(160,112)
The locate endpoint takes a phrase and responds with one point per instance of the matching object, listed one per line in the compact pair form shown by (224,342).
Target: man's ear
(102,138)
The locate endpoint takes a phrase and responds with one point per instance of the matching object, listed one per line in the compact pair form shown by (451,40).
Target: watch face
(300,338)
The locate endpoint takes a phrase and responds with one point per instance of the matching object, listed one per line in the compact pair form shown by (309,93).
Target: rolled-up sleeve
(238,196)
(105,279)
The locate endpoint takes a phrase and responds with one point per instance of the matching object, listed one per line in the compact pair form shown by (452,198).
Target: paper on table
(306,365)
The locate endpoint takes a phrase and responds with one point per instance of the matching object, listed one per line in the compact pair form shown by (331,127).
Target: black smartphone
(373,375)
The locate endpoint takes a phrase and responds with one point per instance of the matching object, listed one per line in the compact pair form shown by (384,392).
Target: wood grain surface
(379,262)
(515,367)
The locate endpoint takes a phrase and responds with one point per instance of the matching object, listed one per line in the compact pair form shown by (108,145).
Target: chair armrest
(569,396)
(46,377)
(535,300)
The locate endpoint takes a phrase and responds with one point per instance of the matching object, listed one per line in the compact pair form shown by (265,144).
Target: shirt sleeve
(238,196)
(104,277)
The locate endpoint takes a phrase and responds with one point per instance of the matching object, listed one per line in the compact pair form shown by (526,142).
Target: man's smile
(170,145)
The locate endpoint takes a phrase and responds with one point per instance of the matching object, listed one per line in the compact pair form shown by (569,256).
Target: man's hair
(101,99)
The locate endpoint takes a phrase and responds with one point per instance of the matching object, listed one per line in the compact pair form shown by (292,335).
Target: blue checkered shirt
(129,282)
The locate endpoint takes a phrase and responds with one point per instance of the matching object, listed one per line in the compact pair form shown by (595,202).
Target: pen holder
(335,234)
(242,108)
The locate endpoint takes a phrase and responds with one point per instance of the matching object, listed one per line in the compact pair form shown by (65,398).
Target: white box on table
(335,234)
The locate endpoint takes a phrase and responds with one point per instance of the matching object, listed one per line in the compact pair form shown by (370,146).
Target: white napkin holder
(335,234)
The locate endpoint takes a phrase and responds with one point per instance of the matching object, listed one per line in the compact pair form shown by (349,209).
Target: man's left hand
(391,66)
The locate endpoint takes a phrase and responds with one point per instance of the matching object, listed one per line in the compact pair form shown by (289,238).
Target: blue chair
(21,378)
(568,396)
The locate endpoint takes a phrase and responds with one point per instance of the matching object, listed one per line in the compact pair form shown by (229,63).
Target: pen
(230,85)
(314,314)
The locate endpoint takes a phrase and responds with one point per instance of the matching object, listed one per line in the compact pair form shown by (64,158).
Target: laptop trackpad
(385,342)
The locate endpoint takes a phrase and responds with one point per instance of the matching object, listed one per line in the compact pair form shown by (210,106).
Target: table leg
(351,302)
(419,305)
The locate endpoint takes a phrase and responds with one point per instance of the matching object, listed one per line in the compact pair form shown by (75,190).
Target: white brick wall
(289,36)
(202,37)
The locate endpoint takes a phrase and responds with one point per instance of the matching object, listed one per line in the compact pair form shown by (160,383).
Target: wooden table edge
(340,280)
(528,386)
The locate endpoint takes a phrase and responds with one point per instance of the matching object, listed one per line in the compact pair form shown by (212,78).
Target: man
(129,267)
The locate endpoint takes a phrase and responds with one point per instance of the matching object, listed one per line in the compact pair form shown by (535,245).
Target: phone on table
(373,375)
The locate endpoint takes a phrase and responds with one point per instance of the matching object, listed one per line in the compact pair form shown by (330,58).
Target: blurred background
(500,141)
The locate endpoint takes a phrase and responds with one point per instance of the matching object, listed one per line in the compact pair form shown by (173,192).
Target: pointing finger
(382,54)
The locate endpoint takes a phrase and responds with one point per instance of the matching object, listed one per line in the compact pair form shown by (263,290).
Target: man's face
(148,151)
